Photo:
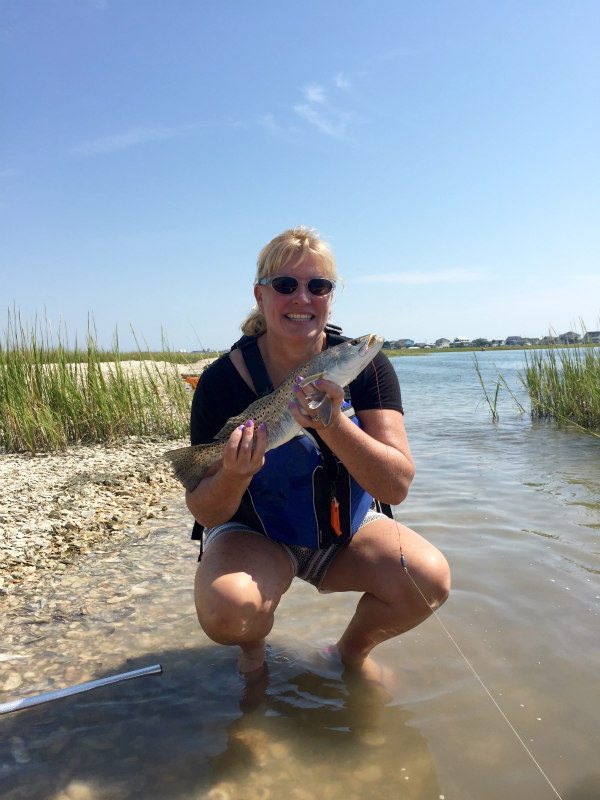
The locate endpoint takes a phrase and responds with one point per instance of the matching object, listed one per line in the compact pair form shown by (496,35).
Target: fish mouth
(368,341)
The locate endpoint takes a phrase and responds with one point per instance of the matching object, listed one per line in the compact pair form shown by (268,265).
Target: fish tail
(190,464)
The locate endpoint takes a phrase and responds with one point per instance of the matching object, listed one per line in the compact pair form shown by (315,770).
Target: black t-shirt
(222,393)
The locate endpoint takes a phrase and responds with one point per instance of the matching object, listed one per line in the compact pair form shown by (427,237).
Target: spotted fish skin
(340,364)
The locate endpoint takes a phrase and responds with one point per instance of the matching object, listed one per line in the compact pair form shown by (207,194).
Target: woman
(244,568)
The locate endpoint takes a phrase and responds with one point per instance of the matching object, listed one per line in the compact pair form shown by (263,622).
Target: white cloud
(130,138)
(316,109)
(330,121)
(341,82)
(423,278)
(315,93)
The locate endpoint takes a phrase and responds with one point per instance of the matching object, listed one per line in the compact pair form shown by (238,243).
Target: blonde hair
(288,249)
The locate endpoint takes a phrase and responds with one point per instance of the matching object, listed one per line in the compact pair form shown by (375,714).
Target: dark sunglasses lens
(285,285)
(320,286)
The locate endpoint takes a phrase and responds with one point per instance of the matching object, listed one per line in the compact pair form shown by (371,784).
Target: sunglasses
(285,284)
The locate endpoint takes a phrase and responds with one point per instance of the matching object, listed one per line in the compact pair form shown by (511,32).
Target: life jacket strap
(248,346)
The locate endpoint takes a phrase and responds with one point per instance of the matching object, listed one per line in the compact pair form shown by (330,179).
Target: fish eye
(355,341)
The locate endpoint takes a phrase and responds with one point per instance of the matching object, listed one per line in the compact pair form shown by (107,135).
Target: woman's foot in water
(366,668)
(251,662)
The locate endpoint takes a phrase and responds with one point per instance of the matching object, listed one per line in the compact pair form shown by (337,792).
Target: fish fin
(231,424)
(316,400)
(191,464)
(326,410)
(310,379)
(254,409)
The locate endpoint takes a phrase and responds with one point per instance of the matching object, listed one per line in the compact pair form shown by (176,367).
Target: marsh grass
(492,401)
(564,384)
(53,395)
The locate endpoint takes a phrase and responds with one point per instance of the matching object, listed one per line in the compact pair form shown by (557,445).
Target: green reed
(491,401)
(53,394)
(564,384)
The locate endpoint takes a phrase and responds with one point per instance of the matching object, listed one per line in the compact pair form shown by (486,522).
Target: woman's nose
(302,294)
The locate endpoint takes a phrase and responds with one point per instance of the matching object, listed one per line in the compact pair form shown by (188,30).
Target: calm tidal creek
(515,507)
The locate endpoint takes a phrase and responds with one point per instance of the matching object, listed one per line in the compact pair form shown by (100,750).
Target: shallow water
(514,505)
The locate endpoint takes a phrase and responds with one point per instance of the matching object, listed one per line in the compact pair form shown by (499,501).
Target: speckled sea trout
(340,364)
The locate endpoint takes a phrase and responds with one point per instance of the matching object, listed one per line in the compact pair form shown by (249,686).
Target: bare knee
(231,609)
(423,586)
(436,579)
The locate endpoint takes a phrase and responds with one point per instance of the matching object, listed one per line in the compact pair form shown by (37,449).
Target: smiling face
(300,315)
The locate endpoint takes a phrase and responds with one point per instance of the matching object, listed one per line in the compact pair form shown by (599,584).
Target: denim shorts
(308,564)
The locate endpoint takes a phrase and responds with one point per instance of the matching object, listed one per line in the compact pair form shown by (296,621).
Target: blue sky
(447,150)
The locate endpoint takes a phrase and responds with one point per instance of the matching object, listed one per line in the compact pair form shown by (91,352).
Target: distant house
(461,341)
(421,345)
(497,342)
(570,337)
(442,342)
(592,337)
(514,341)
(398,344)
(549,340)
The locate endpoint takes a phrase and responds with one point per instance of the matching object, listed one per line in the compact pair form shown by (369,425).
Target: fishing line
(475,673)
(453,640)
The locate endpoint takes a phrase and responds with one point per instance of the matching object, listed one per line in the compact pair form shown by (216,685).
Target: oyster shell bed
(54,507)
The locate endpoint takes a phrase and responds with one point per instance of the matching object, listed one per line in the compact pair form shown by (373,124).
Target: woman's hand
(244,452)
(308,417)
(217,497)
(376,454)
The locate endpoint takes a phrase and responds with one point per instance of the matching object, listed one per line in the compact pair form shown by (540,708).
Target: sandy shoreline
(55,507)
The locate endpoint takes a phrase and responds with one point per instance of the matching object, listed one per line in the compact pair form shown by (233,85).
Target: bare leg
(239,584)
(391,604)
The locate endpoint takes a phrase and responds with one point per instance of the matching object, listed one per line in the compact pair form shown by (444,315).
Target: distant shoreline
(422,351)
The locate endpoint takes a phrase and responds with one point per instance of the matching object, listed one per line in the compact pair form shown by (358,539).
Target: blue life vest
(304,496)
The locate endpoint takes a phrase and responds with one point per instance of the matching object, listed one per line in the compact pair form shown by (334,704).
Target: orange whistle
(335,517)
